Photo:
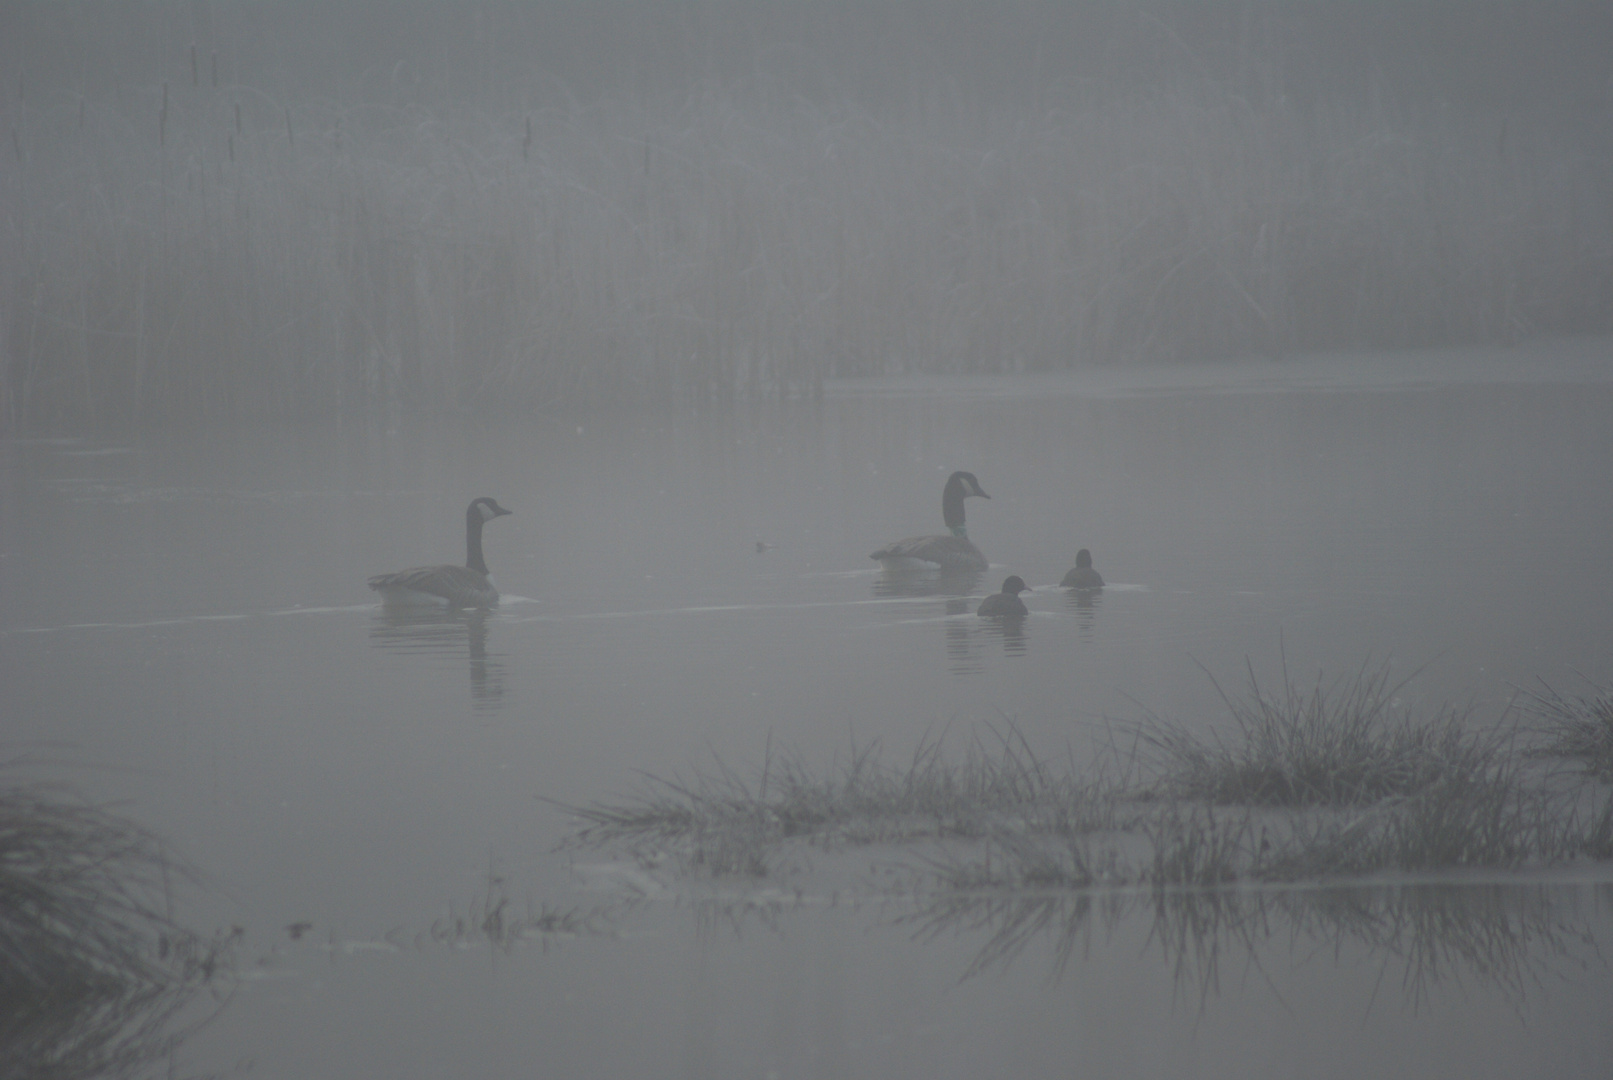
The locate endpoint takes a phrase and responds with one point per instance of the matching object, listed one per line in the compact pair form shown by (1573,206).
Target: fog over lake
(1293,320)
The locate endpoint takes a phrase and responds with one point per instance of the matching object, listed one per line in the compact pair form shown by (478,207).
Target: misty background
(216,210)
(1294,316)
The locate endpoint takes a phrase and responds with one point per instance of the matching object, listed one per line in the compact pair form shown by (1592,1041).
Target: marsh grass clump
(1330,782)
(1493,821)
(1337,744)
(92,969)
(1578,729)
(1193,846)
(725,824)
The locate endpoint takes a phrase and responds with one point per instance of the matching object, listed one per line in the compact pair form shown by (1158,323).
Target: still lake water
(185,632)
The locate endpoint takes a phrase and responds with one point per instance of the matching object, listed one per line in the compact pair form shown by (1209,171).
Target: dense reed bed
(193,245)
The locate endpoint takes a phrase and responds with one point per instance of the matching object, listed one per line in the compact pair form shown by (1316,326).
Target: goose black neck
(952,506)
(473,540)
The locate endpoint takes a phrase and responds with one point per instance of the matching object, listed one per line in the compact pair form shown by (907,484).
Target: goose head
(484,509)
(960,486)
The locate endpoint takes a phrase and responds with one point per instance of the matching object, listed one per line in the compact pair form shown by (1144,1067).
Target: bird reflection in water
(1084,605)
(1010,629)
(958,594)
(446,632)
(962,656)
(955,590)
(897,583)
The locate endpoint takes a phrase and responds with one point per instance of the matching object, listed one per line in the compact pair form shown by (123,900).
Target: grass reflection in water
(1506,936)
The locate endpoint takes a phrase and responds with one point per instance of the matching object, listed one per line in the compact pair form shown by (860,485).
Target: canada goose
(455,586)
(1083,576)
(1006,604)
(953,552)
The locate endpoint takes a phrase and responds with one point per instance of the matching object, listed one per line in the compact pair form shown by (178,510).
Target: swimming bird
(1083,576)
(456,586)
(1006,604)
(953,552)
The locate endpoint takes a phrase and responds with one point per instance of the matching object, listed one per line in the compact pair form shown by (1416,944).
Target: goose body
(951,552)
(1006,604)
(453,586)
(1083,576)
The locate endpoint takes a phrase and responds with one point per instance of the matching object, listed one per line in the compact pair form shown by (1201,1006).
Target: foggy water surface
(186,631)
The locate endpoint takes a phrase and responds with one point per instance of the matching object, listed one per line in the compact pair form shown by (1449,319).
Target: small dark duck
(1083,576)
(1006,604)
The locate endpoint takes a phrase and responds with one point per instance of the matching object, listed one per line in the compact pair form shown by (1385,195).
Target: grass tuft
(1576,728)
(723,823)
(1337,744)
(92,969)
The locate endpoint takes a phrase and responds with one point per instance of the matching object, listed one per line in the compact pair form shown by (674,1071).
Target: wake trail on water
(518,601)
(185,620)
(707,609)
